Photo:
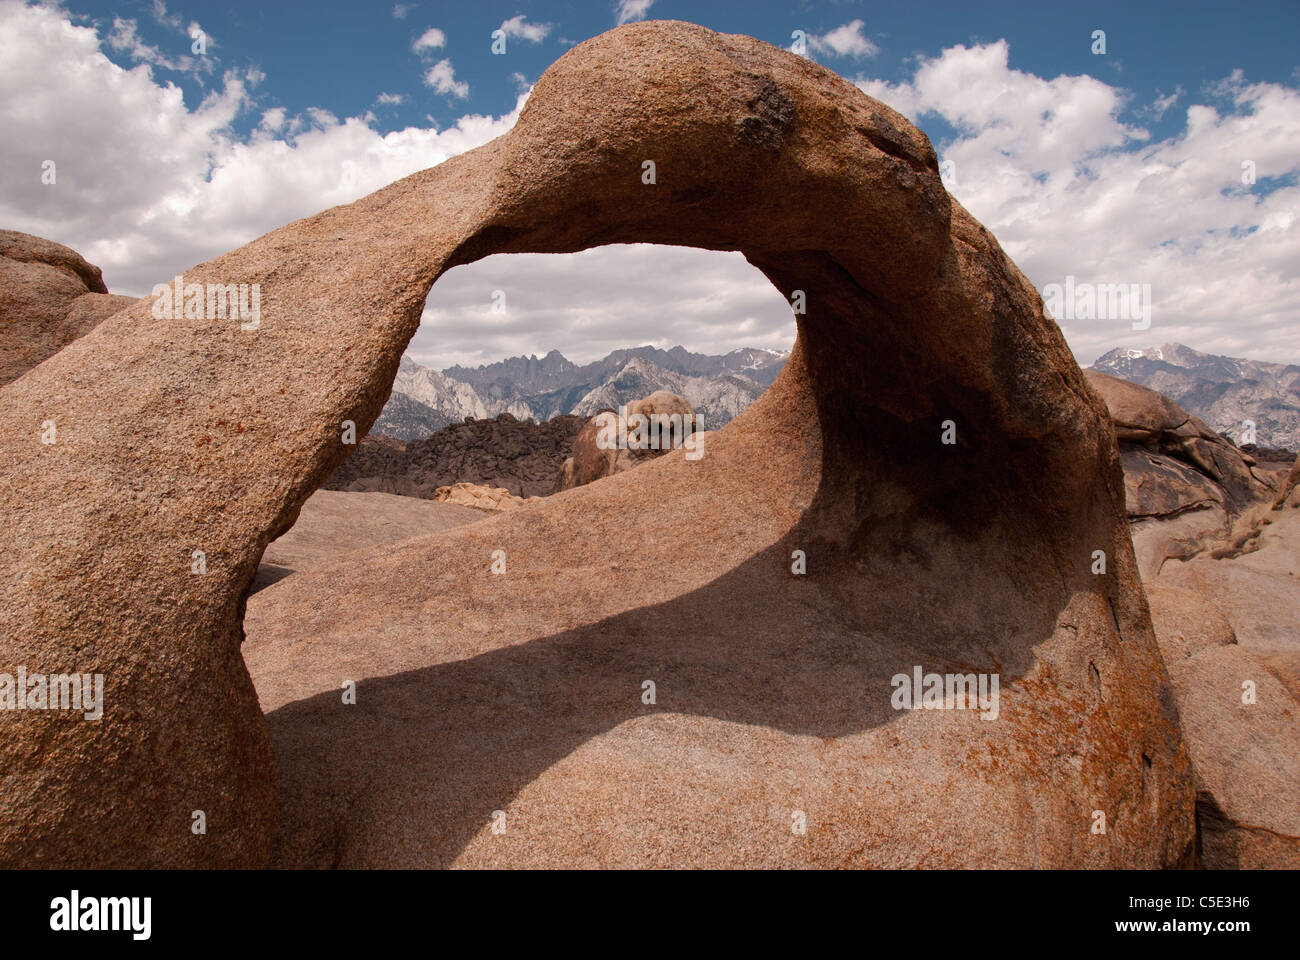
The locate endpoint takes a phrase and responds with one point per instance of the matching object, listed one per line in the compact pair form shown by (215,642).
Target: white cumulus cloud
(1071,189)
(431,39)
(521,29)
(844,41)
(628,10)
(148,186)
(442,78)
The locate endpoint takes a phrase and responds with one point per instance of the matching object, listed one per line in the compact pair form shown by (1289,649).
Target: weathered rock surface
(1186,623)
(1246,756)
(1194,497)
(1272,456)
(1187,488)
(518,455)
(523,692)
(1284,495)
(49,296)
(476,495)
(1220,621)
(591,460)
(332,523)
(1258,591)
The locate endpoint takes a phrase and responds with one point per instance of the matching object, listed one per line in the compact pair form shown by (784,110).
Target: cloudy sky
(182,129)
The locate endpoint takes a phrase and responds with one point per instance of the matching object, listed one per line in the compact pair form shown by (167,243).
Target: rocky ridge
(720,387)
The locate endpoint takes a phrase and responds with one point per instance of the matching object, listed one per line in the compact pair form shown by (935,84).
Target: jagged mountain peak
(719,387)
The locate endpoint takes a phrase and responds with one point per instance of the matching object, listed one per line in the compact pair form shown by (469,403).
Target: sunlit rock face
(49,296)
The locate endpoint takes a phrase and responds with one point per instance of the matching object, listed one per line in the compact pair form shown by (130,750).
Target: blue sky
(342,56)
(1120,167)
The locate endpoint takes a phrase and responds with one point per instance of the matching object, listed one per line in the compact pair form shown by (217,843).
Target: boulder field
(690,663)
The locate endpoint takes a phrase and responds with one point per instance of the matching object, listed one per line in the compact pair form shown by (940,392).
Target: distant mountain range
(719,387)
(1222,391)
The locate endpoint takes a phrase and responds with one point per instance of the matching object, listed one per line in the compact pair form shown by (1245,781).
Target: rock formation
(1187,488)
(1241,721)
(1225,621)
(1288,487)
(476,495)
(521,456)
(49,296)
(1228,393)
(828,541)
(591,460)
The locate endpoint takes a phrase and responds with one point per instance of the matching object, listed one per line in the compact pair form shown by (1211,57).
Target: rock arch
(190,434)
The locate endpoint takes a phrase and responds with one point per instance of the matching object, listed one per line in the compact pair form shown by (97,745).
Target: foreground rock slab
(332,523)
(829,541)
(1243,730)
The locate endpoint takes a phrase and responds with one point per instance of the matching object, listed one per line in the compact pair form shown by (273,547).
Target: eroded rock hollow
(523,691)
